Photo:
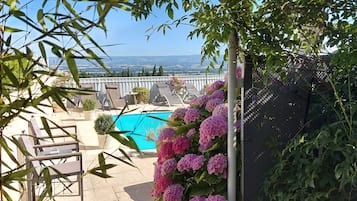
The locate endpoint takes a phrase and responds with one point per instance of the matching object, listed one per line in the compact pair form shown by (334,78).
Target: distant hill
(171,64)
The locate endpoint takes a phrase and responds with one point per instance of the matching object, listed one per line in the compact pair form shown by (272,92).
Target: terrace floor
(127,183)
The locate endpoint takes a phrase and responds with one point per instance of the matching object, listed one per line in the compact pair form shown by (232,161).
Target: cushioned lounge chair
(90,95)
(75,101)
(191,92)
(114,97)
(161,92)
(60,171)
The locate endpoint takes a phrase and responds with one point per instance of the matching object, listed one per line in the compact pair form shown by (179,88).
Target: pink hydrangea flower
(211,104)
(199,101)
(168,167)
(157,173)
(179,113)
(165,152)
(238,124)
(163,183)
(166,134)
(191,115)
(218,94)
(160,159)
(237,108)
(214,86)
(184,164)
(155,193)
(217,164)
(221,109)
(198,198)
(216,198)
(198,162)
(173,193)
(239,73)
(180,145)
(213,126)
(203,147)
(191,132)
(190,162)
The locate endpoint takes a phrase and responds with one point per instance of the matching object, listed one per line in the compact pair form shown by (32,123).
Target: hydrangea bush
(192,156)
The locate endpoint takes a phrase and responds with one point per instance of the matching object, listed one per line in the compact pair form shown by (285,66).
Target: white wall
(126,84)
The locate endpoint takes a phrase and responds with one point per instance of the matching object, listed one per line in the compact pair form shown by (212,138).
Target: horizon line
(174,55)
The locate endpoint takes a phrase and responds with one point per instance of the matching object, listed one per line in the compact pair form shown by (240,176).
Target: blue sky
(132,40)
(127,35)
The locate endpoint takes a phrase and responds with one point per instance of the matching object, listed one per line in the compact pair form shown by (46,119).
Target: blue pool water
(140,124)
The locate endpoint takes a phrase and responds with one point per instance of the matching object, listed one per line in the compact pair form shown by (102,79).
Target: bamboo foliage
(28,37)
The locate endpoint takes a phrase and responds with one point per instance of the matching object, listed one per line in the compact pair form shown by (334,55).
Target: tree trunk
(232,66)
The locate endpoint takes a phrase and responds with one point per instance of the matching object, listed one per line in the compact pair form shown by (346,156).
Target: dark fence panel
(274,113)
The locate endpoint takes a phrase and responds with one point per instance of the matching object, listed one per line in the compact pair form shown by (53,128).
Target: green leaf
(43,51)
(41,20)
(7,196)
(338,172)
(101,170)
(72,65)
(69,8)
(125,140)
(170,13)
(48,183)
(8,150)
(16,176)
(302,139)
(121,160)
(213,147)
(47,128)
(199,177)
(8,40)
(11,76)
(98,171)
(211,179)
(157,118)
(174,123)
(201,189)
(12,29)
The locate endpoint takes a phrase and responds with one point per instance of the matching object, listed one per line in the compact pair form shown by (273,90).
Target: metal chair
(45,139)
(60,171)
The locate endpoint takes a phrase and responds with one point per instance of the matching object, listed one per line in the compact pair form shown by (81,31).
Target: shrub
(104,124)
(89,104)
(143,94)
(192,154)
(320,164)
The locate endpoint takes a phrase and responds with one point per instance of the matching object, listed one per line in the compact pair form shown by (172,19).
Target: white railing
(126,84)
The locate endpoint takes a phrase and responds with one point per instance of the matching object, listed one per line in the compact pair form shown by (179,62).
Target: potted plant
(103,125)
(88,108)
(142,95)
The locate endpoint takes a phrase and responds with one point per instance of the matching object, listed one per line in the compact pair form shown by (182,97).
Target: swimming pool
(140,124)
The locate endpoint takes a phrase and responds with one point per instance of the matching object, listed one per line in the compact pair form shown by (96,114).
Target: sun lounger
(75,101)
(161,92)
(191,92)
(91,95)
(114,96)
